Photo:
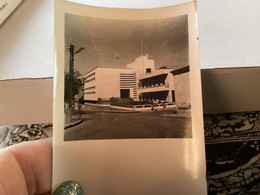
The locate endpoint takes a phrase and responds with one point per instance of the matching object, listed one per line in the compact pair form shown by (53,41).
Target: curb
(72,124)
(175,116)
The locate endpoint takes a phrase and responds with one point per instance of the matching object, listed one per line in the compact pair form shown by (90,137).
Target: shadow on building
(139,83)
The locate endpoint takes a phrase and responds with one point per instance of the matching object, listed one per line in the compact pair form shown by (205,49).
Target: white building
(157,85)
(139,80)
(105,83)
(181,80)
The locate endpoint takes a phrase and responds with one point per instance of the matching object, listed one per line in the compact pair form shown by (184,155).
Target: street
(106,125)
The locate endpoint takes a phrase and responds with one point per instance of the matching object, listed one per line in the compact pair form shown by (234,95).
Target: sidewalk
(121,109)
(86,111)
(102,108)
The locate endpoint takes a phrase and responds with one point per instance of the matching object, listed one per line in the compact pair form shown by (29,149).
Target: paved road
(104,125)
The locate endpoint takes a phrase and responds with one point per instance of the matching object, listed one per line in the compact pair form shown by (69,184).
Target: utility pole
(142,55)
(71,77)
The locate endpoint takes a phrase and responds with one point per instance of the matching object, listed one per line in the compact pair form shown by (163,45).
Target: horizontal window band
(90,80)
(89,88)
(90,75)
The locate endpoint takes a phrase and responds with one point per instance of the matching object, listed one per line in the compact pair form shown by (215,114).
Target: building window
(90,88)
(173,96)
(124,93)
(90,80)
(92,92)
(148,70)
(92,74)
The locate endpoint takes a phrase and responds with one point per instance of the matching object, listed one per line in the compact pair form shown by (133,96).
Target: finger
(26,168)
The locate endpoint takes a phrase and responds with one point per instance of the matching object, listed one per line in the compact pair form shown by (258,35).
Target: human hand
(26,168)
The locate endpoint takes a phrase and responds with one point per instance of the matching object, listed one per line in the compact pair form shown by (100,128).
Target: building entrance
(125,93)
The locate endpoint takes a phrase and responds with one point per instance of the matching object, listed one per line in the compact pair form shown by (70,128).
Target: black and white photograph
(232,152)
(127,100)
(126,79)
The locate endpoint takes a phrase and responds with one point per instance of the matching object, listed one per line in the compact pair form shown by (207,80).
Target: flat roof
(155,73)
(181,70)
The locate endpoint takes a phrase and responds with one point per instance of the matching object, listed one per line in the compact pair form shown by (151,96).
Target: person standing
(164,108)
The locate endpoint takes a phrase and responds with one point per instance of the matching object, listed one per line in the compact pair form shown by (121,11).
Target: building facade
(181,80)
(157,86)
(139,80)
(105,83)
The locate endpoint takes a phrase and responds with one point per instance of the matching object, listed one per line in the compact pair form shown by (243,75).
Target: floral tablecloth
(10,135)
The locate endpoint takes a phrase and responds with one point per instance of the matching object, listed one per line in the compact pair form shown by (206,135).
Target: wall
(231,89)
(108,82)
(169,80)
(140,64)
(182,90)
(26,101)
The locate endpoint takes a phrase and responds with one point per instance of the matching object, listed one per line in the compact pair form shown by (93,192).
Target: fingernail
(68,188)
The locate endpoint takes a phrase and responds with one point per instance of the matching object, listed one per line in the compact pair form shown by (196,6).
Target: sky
(116,43)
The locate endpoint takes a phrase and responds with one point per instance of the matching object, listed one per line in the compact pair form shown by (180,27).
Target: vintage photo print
(127,100)
(232,152)
(126,78)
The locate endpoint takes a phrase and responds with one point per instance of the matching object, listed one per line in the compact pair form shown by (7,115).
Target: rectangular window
(173,96)
(148,70)
(90,88)
(92,74)
(125,93)
(90,80)
(92,92)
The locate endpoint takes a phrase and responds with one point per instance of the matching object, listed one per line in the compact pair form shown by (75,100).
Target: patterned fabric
(232,143)
(233,152)
(10,135)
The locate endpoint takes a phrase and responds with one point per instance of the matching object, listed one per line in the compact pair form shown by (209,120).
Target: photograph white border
(130,166)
